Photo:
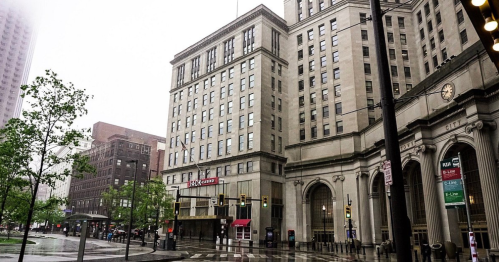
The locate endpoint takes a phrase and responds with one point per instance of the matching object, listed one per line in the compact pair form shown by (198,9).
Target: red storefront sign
(203,182)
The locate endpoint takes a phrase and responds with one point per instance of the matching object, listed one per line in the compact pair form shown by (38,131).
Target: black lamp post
(157,217)
(175,225)
(131,208)
(391,217)
(324,236)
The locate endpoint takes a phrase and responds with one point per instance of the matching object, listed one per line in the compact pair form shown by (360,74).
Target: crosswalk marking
(237,255)
(210,255)
(196,255)
(264,256)
(223,255)
(251,255)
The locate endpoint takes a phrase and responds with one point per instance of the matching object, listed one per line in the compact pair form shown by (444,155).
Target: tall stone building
(315,74)
(16,51)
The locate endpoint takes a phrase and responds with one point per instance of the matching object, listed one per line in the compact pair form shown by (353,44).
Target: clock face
(448,92)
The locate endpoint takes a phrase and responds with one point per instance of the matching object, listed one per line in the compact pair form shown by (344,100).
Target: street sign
(213,200)
(451,180)
(387,170)
(68,211)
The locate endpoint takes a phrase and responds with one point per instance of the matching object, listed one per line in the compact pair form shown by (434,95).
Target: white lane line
(196,255)
(251,255)
(210,255)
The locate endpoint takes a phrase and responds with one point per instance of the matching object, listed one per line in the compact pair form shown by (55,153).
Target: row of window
(326,131)
(212,80)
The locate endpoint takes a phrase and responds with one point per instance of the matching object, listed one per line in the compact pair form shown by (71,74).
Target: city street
(56,247)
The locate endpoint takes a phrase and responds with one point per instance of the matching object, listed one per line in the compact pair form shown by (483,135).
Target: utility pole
(175,225)
(350,227)
(400,219)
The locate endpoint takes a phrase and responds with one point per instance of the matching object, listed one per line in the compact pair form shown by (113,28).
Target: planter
(450,249)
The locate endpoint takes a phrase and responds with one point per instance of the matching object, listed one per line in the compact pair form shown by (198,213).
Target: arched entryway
(474,191)
(321,197)
(416,201)
(380,209)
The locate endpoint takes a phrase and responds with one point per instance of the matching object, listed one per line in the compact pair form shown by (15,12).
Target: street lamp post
(157,216)
(391,217)
(223,192)
(324,236)
(175,225)
(145,219)
(131,208)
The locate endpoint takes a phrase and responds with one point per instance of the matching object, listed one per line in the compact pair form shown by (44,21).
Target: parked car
(137,233)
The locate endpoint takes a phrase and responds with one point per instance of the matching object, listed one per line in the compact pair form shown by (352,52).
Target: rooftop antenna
(237,8)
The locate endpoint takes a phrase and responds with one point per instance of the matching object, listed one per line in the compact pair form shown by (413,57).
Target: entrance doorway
(322,213)
(412,177)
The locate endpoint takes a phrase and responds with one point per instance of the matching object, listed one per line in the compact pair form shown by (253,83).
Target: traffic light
(348,212)
(265,201)
(221,200)
(176,210)
(242,200)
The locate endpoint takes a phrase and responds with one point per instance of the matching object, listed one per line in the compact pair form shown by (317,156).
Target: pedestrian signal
(176,210)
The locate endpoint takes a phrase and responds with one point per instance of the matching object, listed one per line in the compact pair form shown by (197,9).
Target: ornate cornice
(481,124)
(359,174)
(261,10)
(298,182)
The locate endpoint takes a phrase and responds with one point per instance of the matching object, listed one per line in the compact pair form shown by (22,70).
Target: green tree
(110,200)
(53,108)
(150,198)
(14,157)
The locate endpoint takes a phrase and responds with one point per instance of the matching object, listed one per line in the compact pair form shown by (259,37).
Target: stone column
(365,213)
(339,216)
(432,203)
(489,180)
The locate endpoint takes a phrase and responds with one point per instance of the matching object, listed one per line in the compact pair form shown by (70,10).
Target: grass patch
(13,241)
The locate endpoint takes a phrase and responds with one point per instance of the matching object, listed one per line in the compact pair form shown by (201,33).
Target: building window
(394,71)
(363,34)
(337,90)
(438,17)
(300,70)
(333,24)
(312,81)
(324,94)
(250,140)
(338,108)
(279,104)
(313,99)
(242,102)
(362,18)
(272,121)
(388,20)
(323,45)
(321,5)
(322,29)
(441,36)
(408,87)
(311,67)
(313,132)
(421,33)
(391,53)
(180,75)
(220,147)
(228,145)
(401,22)
(231,72)
(208,151)
(279,123)
(396,89)
(250,119)
(310,34)
(221,128)
(403,39)
(430,27)
(251,81)
(311,50)
(299,39)
(407,72)
(336,57)
(241,142)
(195,65)
(420,17)
(432,43)
(435,61)
(301,101)
(252,63)
(325,130)
(334,40)
(249,166)
(370,104)
(275,42)
(227,170)
(444,54)
(313,114)
(251,100)
(302,134)
(211,113)
(427,9)
(365,51)
(389,37)
(229,50)
(301,85)
(240,168)
(339,127)
(211,59)
(367,68)
(302,117)
(231,89)
(425,52)
(248,40)
(427,67)
(336,73)
(464,37)
(300,54)
(272,143)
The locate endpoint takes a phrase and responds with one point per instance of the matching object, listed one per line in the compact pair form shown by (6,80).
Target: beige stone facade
(332,136)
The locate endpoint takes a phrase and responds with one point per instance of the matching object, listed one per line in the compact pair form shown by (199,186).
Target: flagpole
(184,148)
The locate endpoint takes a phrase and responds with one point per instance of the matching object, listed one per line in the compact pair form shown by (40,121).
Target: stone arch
(415,200)
(309,188)
(466,139)
(379,203)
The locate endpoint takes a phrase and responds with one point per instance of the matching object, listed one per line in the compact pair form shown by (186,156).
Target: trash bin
(162,244)
(438,250)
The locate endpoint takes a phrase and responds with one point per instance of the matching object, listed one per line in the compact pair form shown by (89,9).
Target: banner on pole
(474,254)
(451,180)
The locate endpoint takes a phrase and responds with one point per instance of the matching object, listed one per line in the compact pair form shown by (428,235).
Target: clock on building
(448,92)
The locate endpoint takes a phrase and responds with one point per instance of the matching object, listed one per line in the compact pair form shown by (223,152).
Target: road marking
(223,255)
(237,255)
(263,256)
(210,255)
(196,255)
(276,256)
(251,255)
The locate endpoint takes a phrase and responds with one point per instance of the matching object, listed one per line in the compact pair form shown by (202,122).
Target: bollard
(364,251)
(386,253)
(336,244)
(377,250)
(416,259)
(341,246)
(493,257)
(457,256)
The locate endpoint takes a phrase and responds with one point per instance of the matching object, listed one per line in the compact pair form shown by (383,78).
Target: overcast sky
(120,51)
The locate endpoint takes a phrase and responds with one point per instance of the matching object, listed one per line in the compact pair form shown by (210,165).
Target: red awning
(240,223)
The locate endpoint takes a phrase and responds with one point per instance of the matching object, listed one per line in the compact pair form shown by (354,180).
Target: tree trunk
(28,222)
(4,200)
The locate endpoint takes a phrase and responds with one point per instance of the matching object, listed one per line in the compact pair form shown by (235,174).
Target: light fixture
(477,2)
(496,44)
(490,24)
(323,208)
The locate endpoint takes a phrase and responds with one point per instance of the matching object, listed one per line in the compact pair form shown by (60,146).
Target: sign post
(387,170)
